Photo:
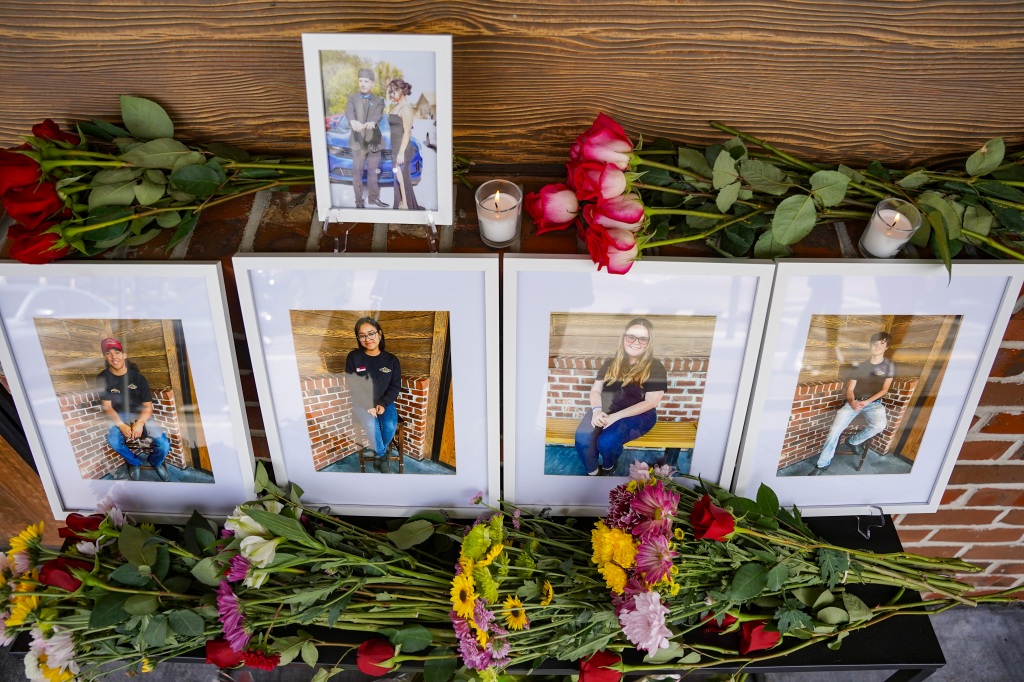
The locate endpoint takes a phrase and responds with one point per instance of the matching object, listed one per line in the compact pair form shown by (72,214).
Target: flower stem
(674,169)
(702,235)
(992,243)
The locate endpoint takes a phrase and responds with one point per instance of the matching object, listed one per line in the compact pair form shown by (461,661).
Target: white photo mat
(190,292)
(735,293)
(983,294)
(411,54)
(464,285)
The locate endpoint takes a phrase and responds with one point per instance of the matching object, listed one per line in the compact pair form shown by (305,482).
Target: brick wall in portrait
(87,427)
(814,407)
(571,377)
(335,435)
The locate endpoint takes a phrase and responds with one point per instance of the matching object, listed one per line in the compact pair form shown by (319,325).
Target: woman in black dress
(400,118)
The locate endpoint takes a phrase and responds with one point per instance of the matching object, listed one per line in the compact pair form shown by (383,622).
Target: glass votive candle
(497,208)
(892,225)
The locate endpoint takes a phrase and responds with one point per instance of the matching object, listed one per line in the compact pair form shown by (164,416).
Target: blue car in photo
(339,154)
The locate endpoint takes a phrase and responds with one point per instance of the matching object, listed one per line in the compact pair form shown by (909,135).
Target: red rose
(614,249)
(593,180)
(711,522)
(220,654)
(17,170)
(754,637)
(80,523)
(597,668)
(48,130)
(57,573)
(371,653)
(605,141)
(711,625)
(554,207)
(36,248)
(623,212)
(33,204)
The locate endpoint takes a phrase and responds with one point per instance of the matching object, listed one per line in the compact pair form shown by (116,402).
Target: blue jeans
(161,443)
(596,446)
(380,429)
(874,414)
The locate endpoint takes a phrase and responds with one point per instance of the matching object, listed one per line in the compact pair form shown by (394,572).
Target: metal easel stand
(866,530)
(429,230)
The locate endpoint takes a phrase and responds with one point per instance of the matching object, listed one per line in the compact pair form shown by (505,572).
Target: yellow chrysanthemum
(678,533)
(614,576)
(467,564)
(612,545)
(492,554)
(463,595)
(147,665)
(515,614)
(547,593)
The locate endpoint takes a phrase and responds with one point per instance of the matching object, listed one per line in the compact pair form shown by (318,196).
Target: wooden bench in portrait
(665,435)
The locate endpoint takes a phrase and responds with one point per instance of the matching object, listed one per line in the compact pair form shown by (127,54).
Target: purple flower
(238,569)
(232,619)
(654,558)
(478,497)
(515,519)
(226,533)
(481,615)
(472,655)
(620,509)
(644,626)
(655,506)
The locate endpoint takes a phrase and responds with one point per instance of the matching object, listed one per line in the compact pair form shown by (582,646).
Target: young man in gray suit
(364,111)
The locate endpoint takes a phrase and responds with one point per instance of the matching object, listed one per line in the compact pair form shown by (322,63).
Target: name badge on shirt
(361,368)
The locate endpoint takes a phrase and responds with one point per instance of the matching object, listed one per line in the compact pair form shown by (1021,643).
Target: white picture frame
(733,296)
(53,381)
(276,290)
(959,317)
(332,64)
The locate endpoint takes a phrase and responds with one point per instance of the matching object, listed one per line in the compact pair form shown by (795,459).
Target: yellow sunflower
(492,554)
(25,540)
(147,665)
(515,614)
(547,593)
(463,595)
(481,635)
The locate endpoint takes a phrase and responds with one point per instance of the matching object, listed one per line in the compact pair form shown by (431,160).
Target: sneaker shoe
(134,472)
(859,449)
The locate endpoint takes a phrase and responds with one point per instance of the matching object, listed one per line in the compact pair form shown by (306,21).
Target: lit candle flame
(497,195)
(895,219)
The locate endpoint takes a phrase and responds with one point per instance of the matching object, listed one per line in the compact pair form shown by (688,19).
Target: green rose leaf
(794,219)
(767,500)
(127,574)
(933,201)
(673,651)
(141,604)
(160,153)
(103,129)
(288,647)
(226,151)
(285,527)
(115,176)
(183,230)
(109,610)
(838,641)
(825,597)
(915,179)
(412,638)
(120,194)
(199,181)
(737,239)
(939,239)
(833,615)
(169,219)
(156,631)
(851,173)
(829,187)
(145,119)
(978,219)
(691,159)
(764,177)
(986,159)
(133,547)
(412,533)
(156,176)
(190,159)
(309,654)
(768,247)
(727,196)
(999,190)
(441,665)
(748,582)
(186,623)
(149,192)
(857,609)
(724,172)
(208,571)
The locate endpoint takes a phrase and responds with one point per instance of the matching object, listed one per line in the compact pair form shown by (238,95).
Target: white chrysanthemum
(32,669)
(644,626)
(60,650)
(109,507)
(638,471)
(5,639)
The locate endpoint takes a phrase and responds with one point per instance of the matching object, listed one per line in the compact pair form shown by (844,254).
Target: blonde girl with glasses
(623,400)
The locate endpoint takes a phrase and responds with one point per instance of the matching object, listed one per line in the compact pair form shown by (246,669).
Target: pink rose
(605,141)
(624,212)
(594,180)
(615,249)
(554,207)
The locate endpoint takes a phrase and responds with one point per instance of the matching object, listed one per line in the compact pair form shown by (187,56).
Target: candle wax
(886,233)
(499,216)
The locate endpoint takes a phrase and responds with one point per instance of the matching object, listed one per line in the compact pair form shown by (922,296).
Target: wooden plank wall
(675,336)
(898,80)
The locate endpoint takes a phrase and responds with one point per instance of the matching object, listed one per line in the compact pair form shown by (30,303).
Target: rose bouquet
(742,199)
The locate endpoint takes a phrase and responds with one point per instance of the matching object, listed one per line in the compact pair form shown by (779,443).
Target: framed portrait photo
(378,377)
(380,121)
(124,378)
(602,372)
(870,374)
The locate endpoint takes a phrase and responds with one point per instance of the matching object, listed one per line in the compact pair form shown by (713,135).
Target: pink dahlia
(644,626)
(654,558)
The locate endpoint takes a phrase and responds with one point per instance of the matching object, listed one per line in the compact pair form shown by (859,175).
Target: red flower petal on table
(33,204)
(711,625)
(48,130)
(593,180)
(597,668)
(220,654)
(711,522)
(80,523)
(17,170)
(614,249)
(754,637)
(57,573)
(260,660)
(554,207)
(372,652)
(35,246)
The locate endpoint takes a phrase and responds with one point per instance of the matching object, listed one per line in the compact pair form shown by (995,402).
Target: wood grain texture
(895,80)
(675,336)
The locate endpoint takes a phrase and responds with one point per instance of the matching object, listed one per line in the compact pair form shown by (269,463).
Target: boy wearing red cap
(128,402)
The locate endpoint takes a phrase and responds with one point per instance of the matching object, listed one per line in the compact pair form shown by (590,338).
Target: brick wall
(570,379)
(87,427)
(814,407)
(333,432)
